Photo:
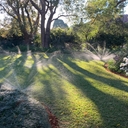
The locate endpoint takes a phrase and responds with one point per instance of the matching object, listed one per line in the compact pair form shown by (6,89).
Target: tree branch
(47,5)
(62,16)
(8,12)
(36,6)
(29,19)
(36,23)
(121,1)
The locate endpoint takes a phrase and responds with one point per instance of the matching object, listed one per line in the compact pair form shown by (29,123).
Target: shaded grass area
(81,93)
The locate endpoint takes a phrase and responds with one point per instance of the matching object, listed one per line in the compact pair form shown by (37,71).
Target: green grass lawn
(81,93)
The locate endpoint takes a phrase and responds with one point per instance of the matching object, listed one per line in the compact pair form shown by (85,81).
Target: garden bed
(106,67)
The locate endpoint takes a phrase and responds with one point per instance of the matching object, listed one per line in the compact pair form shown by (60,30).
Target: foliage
(80,31)
(113,41)
(112,66)
(3,33)
(75,9)
(103,11)
(10,42)
(102,24)
(115,65)
(9,27)
(121,55)
(59,37)
(37,40)
(14,29)
(24,17)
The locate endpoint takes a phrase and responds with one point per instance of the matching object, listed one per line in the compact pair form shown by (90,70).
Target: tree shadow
(50,90)
(112,108)
(16,72)
(113,82)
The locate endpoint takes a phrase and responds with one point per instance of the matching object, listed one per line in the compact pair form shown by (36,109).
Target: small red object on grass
(52,118)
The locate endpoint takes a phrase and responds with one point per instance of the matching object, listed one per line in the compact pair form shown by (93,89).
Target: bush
(59,37)
(112,66)
(124,65)
(116,65)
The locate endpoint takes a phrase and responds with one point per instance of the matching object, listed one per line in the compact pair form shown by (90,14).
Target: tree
(101,15)
(48,8)
(43,7)
(102,23)
(23,13)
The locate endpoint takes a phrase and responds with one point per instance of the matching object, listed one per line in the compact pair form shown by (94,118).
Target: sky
(126,9)
(126,12)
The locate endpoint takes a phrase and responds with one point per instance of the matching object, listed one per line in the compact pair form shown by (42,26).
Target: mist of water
(101,53)
(43,62)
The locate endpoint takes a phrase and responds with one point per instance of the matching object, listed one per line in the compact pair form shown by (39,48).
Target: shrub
(59,37)
(124,65)
(112,66)
(118,64)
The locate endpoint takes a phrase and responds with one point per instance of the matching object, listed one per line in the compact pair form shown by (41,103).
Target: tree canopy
(96,16)
(24,14)
(102,22)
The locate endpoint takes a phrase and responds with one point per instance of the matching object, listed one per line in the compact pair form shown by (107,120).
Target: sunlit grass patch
(19,55)
(6,57)
(45,55)
(29,62)
(2,68)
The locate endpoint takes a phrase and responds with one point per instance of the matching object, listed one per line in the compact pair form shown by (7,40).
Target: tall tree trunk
(43,30)
(47,35)
(47,38)
(27,40)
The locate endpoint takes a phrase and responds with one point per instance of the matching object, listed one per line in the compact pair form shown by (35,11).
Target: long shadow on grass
(16,73)
(113,111)
(5,62)
(116,83)
(50,91)
(26,72)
